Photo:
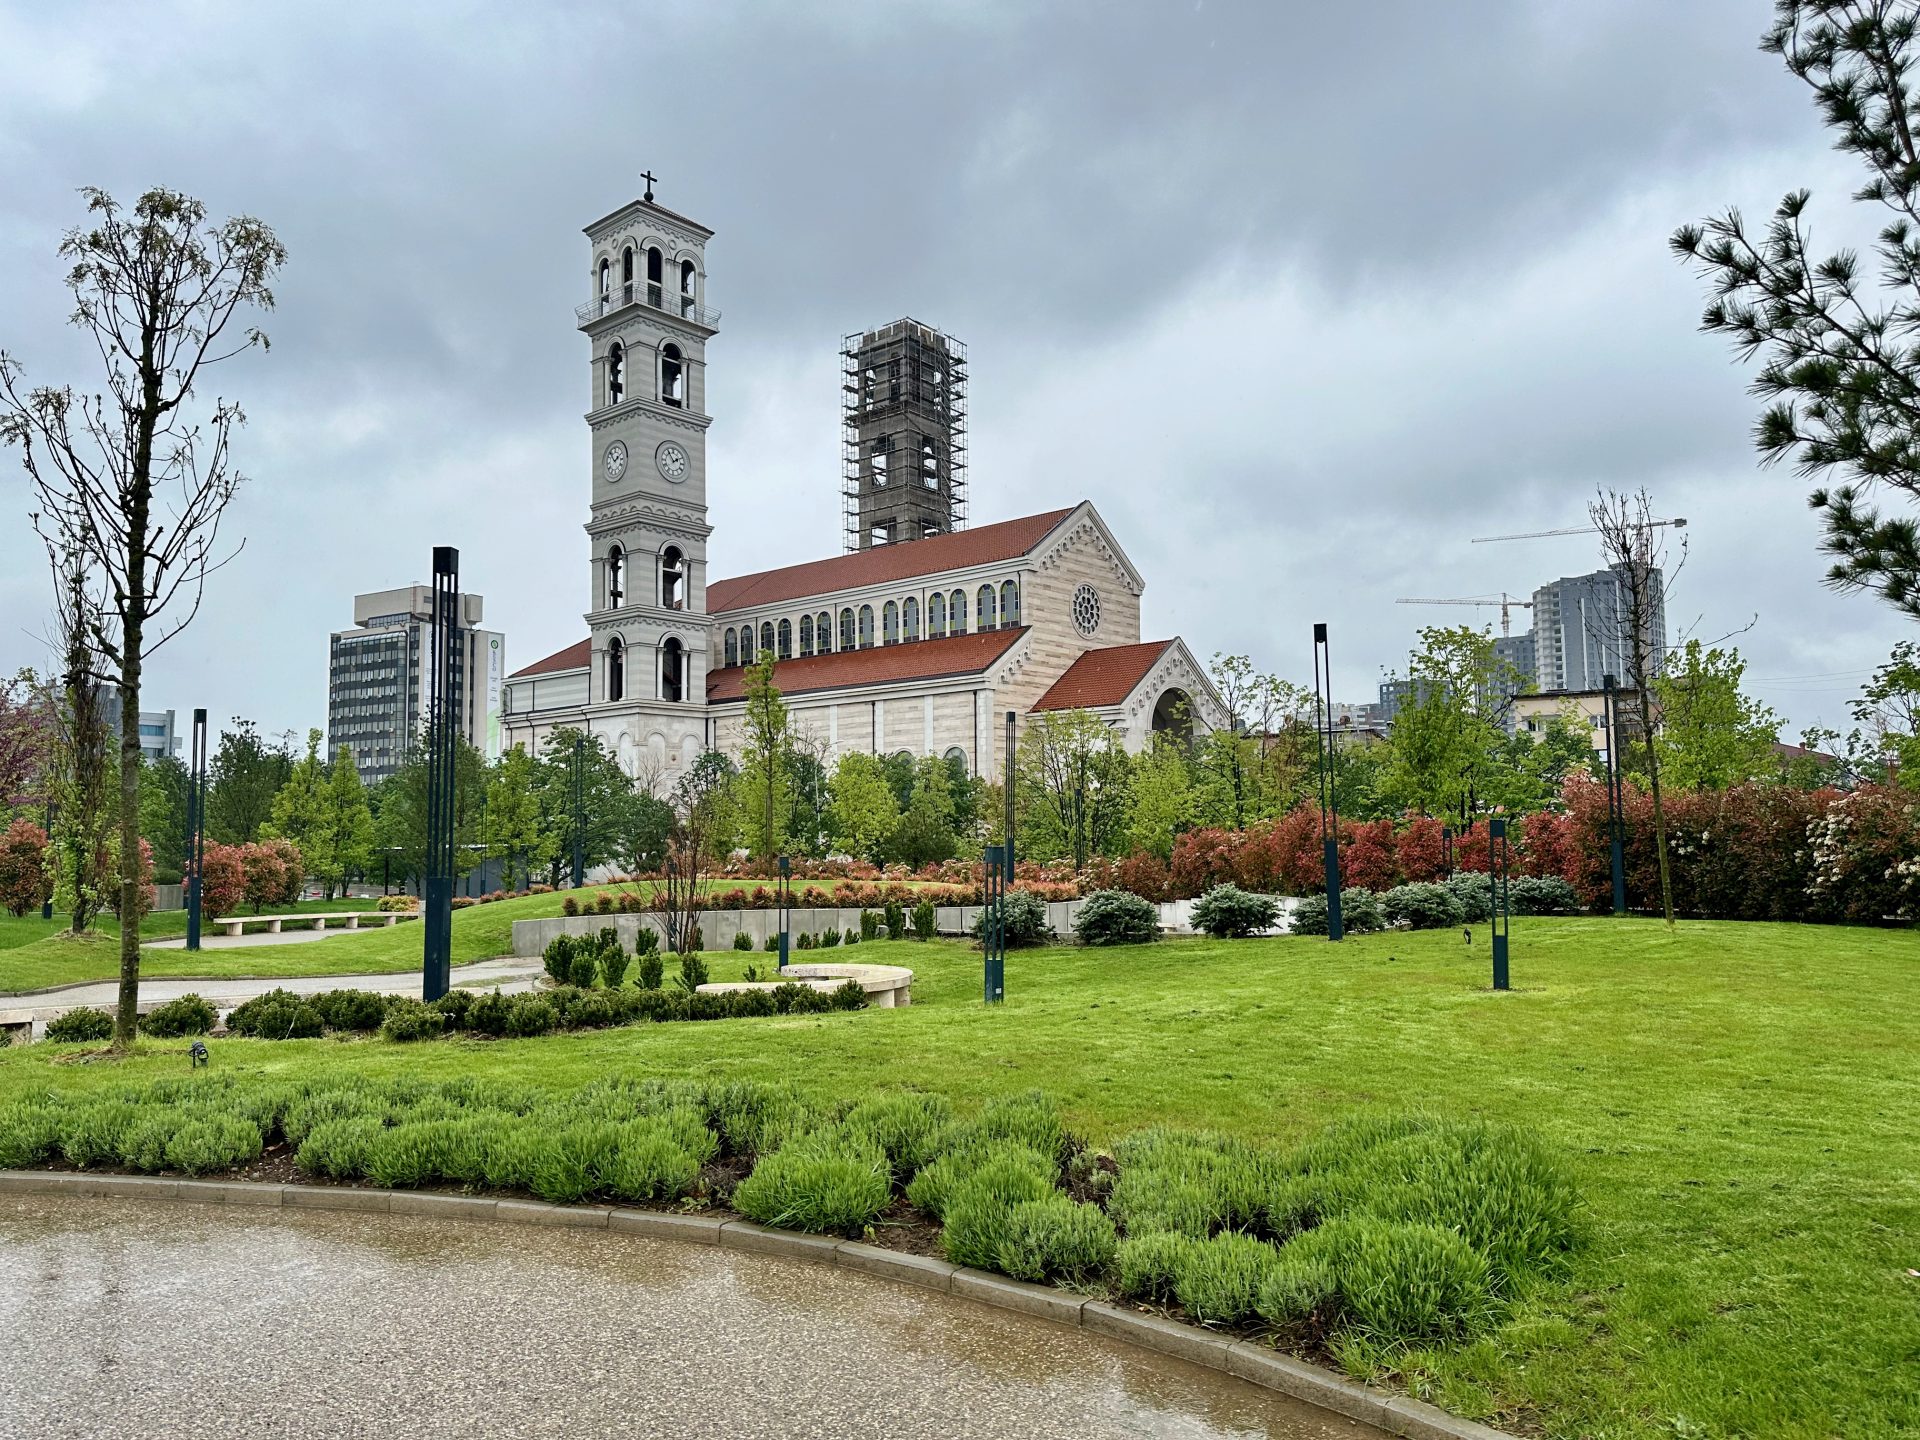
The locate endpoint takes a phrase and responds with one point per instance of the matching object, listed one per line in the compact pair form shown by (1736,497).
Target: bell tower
(647,324)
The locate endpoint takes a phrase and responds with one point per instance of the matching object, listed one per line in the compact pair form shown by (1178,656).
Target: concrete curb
(1393,1414)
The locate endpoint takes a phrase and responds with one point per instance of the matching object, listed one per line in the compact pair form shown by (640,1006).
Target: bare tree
(126,482)
(700,799)
(1635,549)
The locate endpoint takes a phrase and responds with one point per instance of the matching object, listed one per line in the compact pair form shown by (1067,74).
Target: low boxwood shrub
(896,920)
(1054,1239)
(583,973)
(923,920)
(693,972)
(829,939)
(745,1004)
(824,1182)
(1422,906)
(592,1011)
(276,1015)
(456,1005)
(408,1019)
(558,958)
(792,998)
(1116,917)
(351,1009)
(742,940)
(650,965)
(530,1015)
(84,1023)
(1226,912)
(189,1015)
(1027,922)
(848,995)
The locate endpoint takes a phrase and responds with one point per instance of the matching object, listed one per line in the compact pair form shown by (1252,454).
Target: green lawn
(1736,1101)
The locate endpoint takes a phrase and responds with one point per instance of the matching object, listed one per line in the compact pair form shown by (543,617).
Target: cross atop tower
(649,177)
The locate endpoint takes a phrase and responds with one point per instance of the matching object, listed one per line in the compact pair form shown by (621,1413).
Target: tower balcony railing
(654,297)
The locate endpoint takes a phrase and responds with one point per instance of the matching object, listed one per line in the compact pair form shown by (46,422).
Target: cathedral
(921,639)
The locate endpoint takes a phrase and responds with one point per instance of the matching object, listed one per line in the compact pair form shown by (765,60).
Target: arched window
(786,639)
(929,464)
(626,276)
(653,276)
(673,578)
(673,376)
(766,635)
(687,296)
(890,624)
(877,455)
(746,644)
(673,670)
(936,616)
(616,578)
(1009,603)
(606,285)
(866,627)
(733,648)
(846,629)
(985,617)
(910,619)
(616,373)
(957,605)
(806,636)
(823,632)
(616,669)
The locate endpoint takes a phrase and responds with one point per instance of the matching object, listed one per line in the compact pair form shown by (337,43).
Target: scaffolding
(903,438)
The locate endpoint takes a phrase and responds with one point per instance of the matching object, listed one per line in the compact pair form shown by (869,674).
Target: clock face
(672,461)
(614,462)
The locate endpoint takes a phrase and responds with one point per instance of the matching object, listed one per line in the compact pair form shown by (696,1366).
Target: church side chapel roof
(884,564)
(574,657)
(1102,677)
(914,660)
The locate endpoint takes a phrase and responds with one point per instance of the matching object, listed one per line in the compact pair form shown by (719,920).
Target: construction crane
(1678,523)
(1504,602)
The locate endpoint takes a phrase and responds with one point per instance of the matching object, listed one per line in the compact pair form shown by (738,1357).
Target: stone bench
(319,920)
(888,986)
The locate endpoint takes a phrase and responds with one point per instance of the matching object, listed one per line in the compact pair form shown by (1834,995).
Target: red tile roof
(1005,540)
(914,660)
(574,657)
(1102,677)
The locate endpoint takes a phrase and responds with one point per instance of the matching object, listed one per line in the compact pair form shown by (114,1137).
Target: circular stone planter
(887,986)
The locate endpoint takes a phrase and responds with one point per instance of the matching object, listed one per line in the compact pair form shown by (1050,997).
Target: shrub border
(1395,1414)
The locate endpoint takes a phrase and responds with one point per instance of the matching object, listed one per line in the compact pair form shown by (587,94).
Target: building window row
(672,575)
(684,272)
(670,375)
(859,628)
(672,670)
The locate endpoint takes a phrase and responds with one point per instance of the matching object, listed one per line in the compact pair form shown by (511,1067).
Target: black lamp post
(196,825)
(52,815)
(437,909)
(1500,918)
(1616,795)
(1446,849)
(579,778)
(785,896)
(1329,810)
(1009,799)
(993,925)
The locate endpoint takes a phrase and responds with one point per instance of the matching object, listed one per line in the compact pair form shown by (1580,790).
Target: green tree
(402,825)
(864,811)
(1448,733)
(924,832)
(1072,774)
(1889,711)
(1164,803)
(605,789)
(1839,373)
(1530,768)
(644,826)
(350,830)
(301,813)
(1253,767)
(163,814)
(515,831)
(243,776)
(765,784)
(1711,736)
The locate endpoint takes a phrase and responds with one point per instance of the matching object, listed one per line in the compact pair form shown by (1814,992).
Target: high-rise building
(1580,630)
(903,434)
(379,678)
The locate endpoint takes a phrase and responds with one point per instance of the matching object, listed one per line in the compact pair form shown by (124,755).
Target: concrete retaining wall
(718,927)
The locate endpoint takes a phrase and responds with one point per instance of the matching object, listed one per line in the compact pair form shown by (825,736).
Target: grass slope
(1736,1101)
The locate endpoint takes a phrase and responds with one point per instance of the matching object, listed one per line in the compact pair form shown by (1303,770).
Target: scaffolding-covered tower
(904,434)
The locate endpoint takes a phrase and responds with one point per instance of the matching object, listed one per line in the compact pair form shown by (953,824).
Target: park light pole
(53,814)
(436,920)
(1329,810)
(1446,849)
(993,924)
(196,824)
(1501,920)
(1616,795)
(1009,798)
(785,895)
(579,779)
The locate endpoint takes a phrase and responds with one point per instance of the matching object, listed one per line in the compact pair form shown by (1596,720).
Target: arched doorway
(1173,715)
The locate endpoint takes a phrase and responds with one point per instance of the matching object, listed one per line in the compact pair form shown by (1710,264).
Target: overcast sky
(1303,297)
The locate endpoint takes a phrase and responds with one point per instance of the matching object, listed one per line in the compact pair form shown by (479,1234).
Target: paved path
(509,973)
(210,941)
(168,1320)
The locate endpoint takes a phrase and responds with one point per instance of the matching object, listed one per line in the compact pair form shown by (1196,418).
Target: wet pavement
(176,1320)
